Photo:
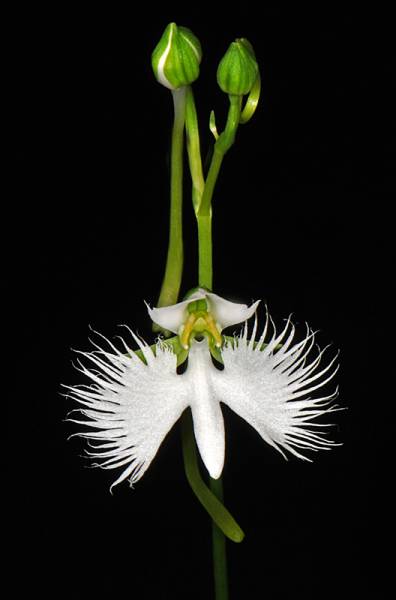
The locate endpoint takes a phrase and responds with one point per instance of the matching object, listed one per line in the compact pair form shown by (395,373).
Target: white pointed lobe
(229,313)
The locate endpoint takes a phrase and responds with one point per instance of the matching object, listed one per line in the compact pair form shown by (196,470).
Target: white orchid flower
(185,317)
(132,404)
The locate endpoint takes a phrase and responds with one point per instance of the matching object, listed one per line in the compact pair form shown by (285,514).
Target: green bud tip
(238,68)
(176,58)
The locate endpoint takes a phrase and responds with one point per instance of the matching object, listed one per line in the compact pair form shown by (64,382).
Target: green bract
(238,68)
(176,58)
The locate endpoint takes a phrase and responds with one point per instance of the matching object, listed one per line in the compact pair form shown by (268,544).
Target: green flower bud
(175,60)
(238,68)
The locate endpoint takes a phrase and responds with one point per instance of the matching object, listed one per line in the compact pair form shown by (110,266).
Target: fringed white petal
(270,387)
(130,405)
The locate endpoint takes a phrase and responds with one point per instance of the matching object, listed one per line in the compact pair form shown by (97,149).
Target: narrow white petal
(228,313)
(256,385)
(205,407)
(131,408)
(172,317)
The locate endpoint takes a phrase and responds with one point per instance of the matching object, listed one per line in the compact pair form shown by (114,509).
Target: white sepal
(173,317)
(228,313)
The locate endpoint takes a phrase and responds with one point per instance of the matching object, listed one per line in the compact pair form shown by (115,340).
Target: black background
(301,208)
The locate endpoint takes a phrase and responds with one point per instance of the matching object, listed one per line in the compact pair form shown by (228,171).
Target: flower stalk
(174,262)
(194,149)
(203,190)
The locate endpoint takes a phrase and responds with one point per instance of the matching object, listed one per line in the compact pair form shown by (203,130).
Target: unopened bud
(176,58)
(238,68)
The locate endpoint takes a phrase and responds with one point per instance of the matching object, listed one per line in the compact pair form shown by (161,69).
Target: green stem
(204,212)
(205,251)
(174,263)
(219,548)
(222,145)
(193,149)
(204,222)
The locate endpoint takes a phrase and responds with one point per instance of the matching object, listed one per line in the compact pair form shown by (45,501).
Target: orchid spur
(132,403)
